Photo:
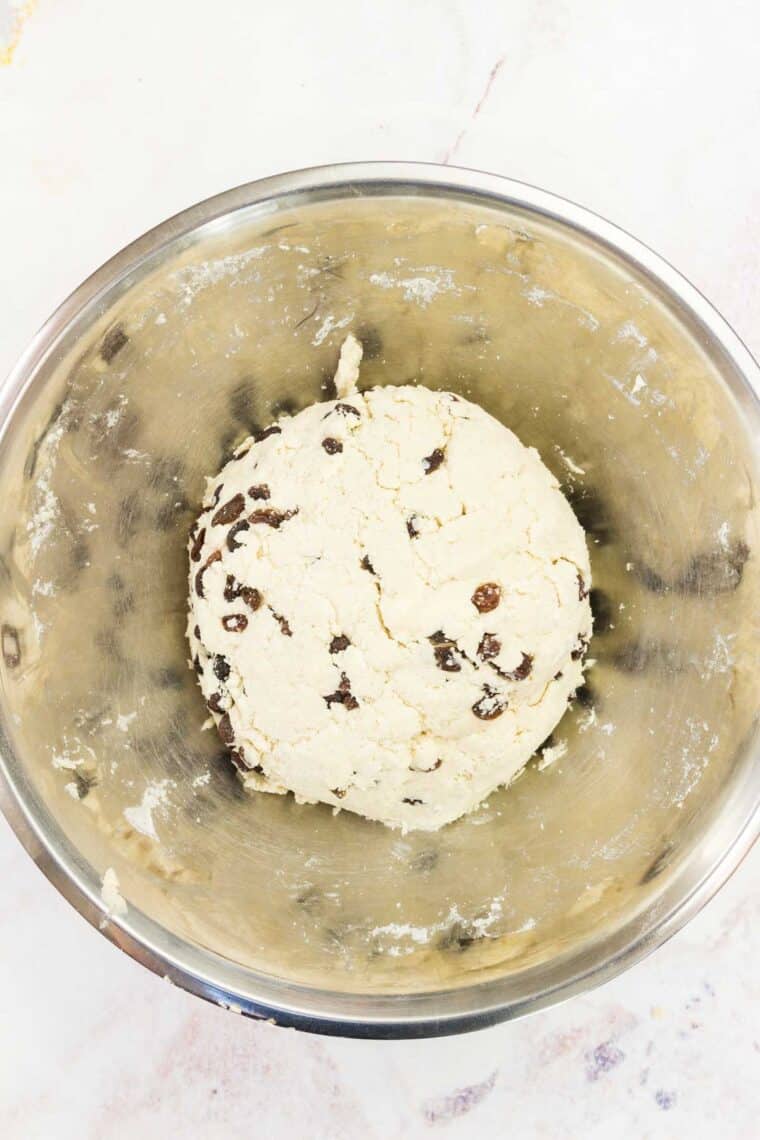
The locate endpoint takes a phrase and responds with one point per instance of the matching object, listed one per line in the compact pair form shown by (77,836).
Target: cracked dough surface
(388,604)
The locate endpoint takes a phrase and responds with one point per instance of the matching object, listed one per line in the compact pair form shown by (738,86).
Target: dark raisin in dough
(444,652)
(523,670)
(265,434)
(270,516)
(285,629)
(411,529)
(580,648)
(489,647)
(197,547)
(582,587)
(226,730)
(260,491)
(486,597)
(338,644)
(490,706)
(234,531)
(230,512)
(215,556)
(235,623)
(221,667)
(343,695)
(367,565)
(406,800)
(347,410)
(332,446)
(217,703)
(433,461)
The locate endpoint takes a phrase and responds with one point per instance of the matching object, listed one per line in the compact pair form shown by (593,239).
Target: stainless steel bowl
(591,348)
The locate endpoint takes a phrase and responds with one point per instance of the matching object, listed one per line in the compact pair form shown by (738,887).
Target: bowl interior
(149,389)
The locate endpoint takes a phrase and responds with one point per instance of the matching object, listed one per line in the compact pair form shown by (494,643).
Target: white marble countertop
(113,117)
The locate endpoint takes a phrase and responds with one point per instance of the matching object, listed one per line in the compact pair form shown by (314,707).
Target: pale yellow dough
(345,631)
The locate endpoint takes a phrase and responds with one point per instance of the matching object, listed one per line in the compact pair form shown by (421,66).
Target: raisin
(237,756)
(433,461)
(221,667)
(486,597)
(523,670)
(490,705)
(281,621)
(581,646)
(367,565)
(233,590)
(214,557)
(226,730)
(197,546)
(339,793)
(215,703)
(489,647)
(406,800)
(231,511)
(443,651)
(271,516)
(583,590)
(11,646)
(265,434)
(217,495)
(234,623)
(343,695)
(197,665)
(233,532)
(411,529)
(260,491)
(347,410)
(332,446)
(113,343)
(338,644)
(251,596)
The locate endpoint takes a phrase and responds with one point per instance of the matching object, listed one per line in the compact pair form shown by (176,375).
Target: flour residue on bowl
(419,285)
(399,938)
(140,816)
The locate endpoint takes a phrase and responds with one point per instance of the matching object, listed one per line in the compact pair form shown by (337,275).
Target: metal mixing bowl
(636,394)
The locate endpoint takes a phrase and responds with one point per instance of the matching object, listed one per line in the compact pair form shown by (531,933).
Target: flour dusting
(419,289)
(140,816)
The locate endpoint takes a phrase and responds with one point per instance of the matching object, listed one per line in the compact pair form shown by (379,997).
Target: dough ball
(388,605)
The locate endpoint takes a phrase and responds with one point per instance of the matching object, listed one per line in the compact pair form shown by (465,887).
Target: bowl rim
(201,971)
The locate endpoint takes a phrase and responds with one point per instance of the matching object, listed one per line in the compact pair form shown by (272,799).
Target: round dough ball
(388,605)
